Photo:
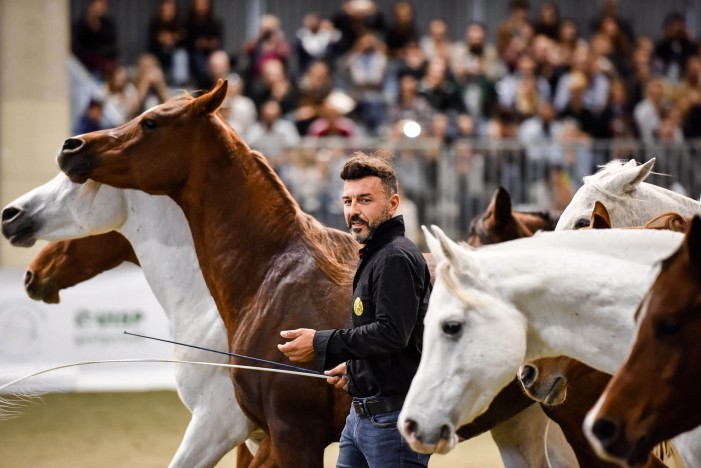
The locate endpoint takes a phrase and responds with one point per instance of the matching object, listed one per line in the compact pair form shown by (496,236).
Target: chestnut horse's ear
(501,205)
(208,103)
(600,218)
(693,241)
(636,175)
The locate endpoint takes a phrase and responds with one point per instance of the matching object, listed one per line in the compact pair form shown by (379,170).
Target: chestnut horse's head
(154,151)
(497,223)
(654,396)
(63,264)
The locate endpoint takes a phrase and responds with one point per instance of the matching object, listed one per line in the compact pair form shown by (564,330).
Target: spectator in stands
(620,44)
(412,61)
(94,39)
(641,72)
(314,86)
(576,110)
(616,119)
(567,40)
(356,17)
(410,107)
(269,44)
(516,24)
(596,94)
(122,95)
(675,47)
(548,20)
(525,85)
(442,92)
(151,86)
(272,134)
(366,69)
(91,120)
(648,112)
(475,48)
(609,10)
(602,56)
(165,37)
(238,110)
(275,84)
(539,134)
(403,29)
(478,94)
(204,33)
(548,61)
(436,43)
(332,120)
(313,41)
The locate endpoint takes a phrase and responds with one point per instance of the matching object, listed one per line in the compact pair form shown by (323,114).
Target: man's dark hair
(378,164)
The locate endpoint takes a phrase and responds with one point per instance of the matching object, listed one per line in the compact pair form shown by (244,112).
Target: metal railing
(449,183)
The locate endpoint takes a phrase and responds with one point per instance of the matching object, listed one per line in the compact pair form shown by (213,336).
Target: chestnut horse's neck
(243,219)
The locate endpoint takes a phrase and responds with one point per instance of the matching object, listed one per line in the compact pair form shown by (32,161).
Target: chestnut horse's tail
(11,403)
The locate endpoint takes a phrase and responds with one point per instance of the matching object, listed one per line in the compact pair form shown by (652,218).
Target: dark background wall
(240,16)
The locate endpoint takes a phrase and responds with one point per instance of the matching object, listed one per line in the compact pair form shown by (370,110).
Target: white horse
(564,293)
(161,238)
(629,200)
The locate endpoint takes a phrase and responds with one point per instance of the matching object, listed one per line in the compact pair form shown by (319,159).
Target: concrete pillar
(34,105)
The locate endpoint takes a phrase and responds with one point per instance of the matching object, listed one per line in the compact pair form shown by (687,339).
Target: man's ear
(393,204)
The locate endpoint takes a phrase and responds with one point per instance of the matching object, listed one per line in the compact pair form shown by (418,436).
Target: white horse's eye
(581,223)
(452,328)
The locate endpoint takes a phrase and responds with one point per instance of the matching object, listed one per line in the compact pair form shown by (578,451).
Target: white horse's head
(61,209)
(473,345)
(614,186)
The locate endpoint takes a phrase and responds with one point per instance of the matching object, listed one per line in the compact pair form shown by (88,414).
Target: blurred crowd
(552,84)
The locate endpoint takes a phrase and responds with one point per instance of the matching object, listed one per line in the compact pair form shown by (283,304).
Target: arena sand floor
(140,430)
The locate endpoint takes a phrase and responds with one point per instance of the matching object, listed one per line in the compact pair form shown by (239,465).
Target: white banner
(87,325)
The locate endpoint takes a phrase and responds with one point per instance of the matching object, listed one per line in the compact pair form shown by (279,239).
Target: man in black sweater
(377,358)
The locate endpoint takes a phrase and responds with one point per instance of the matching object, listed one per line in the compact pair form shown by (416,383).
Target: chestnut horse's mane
(335,252)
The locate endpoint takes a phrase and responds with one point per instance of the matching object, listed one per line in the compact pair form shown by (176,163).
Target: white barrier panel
(88,324)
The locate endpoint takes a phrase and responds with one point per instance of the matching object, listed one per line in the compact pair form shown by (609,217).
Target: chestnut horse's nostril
(72,144)
(527,375)
(28,278)
(411,429)
(10,213)
(606,430)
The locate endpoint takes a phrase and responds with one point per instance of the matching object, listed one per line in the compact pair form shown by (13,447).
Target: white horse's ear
(451,251)
(636,175)
(434,246)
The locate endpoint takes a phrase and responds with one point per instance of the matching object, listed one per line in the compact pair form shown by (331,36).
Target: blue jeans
(375,442)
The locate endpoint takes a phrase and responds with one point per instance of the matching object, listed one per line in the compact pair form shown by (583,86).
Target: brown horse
(499,223)
(653,397)
(547,380)
(268,265)
(63,264)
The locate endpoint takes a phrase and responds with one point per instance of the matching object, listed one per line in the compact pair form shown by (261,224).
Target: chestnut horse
(499,223)
(654,395)
(268,265)
(63,264)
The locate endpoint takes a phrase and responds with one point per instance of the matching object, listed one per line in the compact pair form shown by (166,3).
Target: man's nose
(354,208)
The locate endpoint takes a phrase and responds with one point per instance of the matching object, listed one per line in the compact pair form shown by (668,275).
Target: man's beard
(372,226)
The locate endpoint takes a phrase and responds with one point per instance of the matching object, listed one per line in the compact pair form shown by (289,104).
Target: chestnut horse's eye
(149,125)
(581,223)
(666,327)
(452,328)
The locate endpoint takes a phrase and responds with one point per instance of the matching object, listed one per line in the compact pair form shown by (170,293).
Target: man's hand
(339,377)
(301,348)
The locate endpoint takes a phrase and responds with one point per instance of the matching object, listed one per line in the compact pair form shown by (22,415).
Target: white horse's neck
(161,238)
(578,301)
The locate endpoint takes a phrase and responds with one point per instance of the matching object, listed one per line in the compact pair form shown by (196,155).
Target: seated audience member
(548,20)
(332,120)
(647,114)
(204,33)
(269,44)
(272,135)
(675,47)
(436,43)
(151,86)
(94,39)
(366,69)
(165,37)
(596,93)
(91,120)
(516,24)
(275,84)
(511,86)
(475,52)
(410,107)
(313,40)
(403,29)
(121,95)
(441,92)
(314,86)
(355,18)
(238,110)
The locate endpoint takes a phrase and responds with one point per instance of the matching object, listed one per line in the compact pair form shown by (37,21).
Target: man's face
(365,206)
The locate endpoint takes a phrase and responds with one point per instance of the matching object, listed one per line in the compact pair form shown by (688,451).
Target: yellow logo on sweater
(358,307)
